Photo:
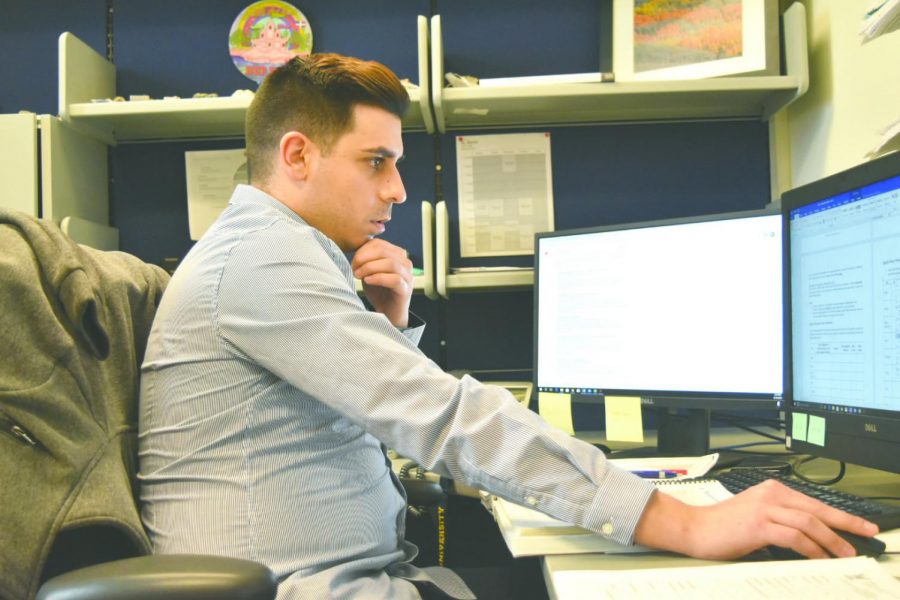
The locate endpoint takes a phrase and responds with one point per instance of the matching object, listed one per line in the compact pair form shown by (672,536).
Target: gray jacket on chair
(74,323)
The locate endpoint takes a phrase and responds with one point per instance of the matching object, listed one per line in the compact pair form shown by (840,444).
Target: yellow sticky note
(557,410)
(816,433)
(799,425)
(623,419)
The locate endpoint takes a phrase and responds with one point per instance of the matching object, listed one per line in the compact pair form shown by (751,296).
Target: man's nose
(394,191)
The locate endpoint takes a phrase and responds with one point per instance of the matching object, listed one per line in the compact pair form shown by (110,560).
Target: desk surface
(858,480)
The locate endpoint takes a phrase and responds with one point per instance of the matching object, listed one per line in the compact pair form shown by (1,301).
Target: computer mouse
(864,546)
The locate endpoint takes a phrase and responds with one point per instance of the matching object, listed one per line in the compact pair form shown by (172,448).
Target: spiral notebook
(528,532)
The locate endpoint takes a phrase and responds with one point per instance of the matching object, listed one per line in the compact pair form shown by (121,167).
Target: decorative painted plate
(266,35)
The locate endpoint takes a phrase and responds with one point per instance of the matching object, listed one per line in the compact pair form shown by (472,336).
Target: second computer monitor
(683,313)
(844,273)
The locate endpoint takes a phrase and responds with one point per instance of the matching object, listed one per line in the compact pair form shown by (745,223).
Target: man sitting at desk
(269,390)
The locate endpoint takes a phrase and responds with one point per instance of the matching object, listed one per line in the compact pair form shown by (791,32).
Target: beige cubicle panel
(75,183)
(63,178)
(73,173)
(19,162)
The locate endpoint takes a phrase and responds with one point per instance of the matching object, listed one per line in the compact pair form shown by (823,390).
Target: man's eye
(376,162)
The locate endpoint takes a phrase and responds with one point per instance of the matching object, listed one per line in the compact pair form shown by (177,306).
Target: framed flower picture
(694,39)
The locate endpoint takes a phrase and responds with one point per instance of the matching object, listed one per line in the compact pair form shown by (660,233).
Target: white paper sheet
(595,77)
(211,178)
(837,579)
(505,192)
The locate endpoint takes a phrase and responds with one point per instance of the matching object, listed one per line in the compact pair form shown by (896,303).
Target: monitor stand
(680,432)
(686,432)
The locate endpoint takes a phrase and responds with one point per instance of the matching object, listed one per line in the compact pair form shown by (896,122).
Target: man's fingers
(805,524)
(400,267)
(387,280)
(794,539)
(377,249)
(804,533)
(783,495)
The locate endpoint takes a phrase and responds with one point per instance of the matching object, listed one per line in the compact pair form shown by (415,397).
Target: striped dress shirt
(269,393)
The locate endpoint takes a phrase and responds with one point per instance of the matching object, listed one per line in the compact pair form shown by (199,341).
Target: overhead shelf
(163,119)
(85,75)
(615,102)
(183,118)
(488,280)
(751,97)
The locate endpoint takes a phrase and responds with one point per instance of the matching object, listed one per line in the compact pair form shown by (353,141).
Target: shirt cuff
(414,328)
(619,505)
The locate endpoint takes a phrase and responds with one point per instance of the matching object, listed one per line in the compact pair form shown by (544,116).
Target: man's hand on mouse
(767,514)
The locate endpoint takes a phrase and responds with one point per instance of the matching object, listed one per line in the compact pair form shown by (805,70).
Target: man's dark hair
(315,95)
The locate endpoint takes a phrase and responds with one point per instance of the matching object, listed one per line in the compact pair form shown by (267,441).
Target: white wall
(854,93)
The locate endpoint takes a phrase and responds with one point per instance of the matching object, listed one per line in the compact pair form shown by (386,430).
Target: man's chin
(357,244)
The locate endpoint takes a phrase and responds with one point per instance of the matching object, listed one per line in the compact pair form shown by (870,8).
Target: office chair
(75,322)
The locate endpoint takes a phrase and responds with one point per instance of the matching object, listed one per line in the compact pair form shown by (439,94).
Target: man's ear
(296,153)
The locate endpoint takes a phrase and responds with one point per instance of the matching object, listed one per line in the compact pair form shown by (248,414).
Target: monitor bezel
(665,399)
(867,439)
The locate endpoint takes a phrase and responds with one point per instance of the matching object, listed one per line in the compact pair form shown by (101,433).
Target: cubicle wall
(28,34)
(602,174)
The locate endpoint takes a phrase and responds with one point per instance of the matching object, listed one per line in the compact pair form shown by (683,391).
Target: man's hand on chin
(386,274)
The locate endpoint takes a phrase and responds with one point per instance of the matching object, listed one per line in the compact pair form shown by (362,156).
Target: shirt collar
(248,194)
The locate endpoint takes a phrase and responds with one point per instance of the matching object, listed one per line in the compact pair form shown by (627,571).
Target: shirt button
(531,501)
(606,529)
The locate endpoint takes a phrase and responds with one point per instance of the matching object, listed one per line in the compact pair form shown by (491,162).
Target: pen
(660,473)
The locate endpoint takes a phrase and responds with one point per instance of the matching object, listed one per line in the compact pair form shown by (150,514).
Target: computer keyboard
(885,516)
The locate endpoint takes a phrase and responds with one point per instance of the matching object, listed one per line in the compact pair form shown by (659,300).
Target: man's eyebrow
(385,152)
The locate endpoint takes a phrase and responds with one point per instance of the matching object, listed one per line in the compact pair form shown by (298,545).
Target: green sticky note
(556,410)
(798,429)
(623,419)
(816,433)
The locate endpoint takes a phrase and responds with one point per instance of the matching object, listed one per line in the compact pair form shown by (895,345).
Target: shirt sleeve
(414,329)
(288,307)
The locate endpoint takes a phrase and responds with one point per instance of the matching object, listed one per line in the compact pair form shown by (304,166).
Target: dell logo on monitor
(871,428)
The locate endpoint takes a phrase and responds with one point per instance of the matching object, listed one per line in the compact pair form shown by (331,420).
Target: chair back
(75,322)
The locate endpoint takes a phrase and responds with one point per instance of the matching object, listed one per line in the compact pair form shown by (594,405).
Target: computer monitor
(685,314)
(843,266)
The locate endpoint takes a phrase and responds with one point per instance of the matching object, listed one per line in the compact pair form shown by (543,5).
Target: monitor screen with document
(685,314)
(843,264)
